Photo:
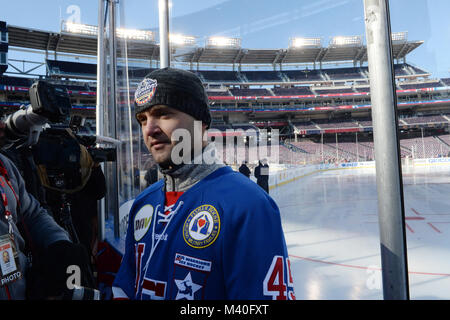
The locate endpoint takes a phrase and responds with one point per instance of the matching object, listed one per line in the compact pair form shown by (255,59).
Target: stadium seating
(363,89)
(262,76)
(364,122)
(416,70)
(352,151)
(304,75)
(250,92)
(306,125)
(292,91)
(333,91)
(445,139)
(446,81)
(135,73)
(218,93)
(420,85)
(425,119)
(15,81)
(316,148)
(336,124)
(71,69)
(400,70)
(428,147)
(78,69)
(332,82)
(344,73)
(219,76)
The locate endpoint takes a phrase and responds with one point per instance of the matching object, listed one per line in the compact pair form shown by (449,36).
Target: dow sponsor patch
(202,227)
(142,221)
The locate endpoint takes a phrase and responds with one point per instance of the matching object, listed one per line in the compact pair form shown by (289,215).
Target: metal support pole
(357,148)
(101,57)
(337,148)
(164,48)
(114,167)
(321,146)
(423,145)
(387,151)
(130,113)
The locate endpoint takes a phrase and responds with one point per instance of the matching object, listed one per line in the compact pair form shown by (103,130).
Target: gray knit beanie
(176,88)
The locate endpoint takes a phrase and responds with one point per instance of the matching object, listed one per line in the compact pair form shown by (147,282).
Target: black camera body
(98,154)
(57,147)
(50,101)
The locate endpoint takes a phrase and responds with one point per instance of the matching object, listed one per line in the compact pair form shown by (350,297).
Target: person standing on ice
(244,169)
(203,226)
(262,175)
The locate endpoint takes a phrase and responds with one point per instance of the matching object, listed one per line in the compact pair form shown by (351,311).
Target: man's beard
(168,163)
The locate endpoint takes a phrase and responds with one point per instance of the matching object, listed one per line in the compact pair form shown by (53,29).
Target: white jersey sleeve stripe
(118,293)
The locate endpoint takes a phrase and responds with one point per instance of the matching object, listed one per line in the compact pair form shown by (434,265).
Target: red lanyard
(5,176)
(8,215)
(5,202)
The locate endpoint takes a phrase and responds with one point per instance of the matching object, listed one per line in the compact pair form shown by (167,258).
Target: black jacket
(244,170)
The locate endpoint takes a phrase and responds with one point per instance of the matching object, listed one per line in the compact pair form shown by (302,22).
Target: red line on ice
(434,228)
(414,218)
(366,268)
(409,228)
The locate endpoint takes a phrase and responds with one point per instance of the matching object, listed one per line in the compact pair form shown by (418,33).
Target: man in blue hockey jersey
(204,231)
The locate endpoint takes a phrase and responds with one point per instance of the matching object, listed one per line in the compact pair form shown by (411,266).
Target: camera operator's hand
(60,261)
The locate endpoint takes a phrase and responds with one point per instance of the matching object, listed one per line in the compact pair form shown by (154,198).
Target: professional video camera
(50,104)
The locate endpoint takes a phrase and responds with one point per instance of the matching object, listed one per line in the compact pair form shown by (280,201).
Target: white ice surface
(332,233)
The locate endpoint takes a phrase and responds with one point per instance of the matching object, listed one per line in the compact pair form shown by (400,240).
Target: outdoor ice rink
(332,233)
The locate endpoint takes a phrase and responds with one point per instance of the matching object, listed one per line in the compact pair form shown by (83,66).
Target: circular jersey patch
(201,227)
(142,221)
(145,91)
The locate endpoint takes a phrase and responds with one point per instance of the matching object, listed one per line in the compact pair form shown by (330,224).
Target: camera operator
(23,221)
(81,191)
(28,233)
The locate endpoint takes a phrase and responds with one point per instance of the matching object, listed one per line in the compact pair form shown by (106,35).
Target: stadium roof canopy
(64,42)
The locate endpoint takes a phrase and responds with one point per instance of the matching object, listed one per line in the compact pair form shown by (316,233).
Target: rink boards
(287,175)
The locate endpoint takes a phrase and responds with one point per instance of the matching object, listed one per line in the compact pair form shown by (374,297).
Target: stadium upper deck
(301,99)
(148,50)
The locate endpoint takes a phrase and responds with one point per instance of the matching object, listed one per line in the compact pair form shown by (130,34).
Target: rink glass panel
(323,182)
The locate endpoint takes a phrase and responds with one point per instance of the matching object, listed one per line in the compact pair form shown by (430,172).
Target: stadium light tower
(72,27)
(134,34)
(400,36)
(181,40)
(223,42)
(346,41)
(298,43)
(89,30)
